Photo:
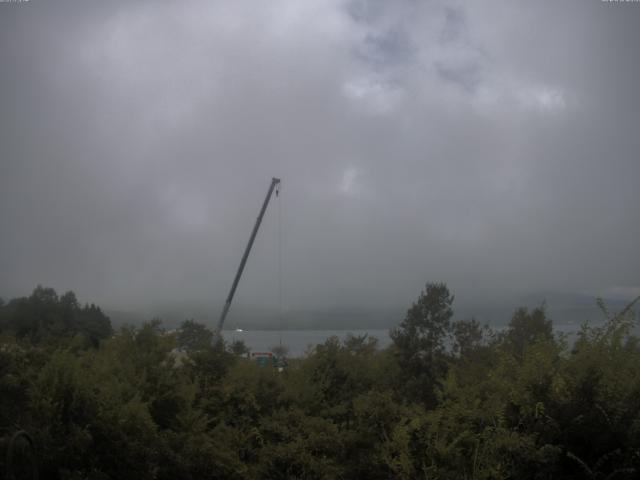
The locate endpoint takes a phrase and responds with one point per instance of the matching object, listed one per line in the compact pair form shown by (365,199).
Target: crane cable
(280,319)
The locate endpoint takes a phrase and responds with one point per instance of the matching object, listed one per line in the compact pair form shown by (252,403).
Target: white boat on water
(239,330)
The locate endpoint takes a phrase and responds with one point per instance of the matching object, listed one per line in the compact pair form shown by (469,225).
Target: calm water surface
(299,341)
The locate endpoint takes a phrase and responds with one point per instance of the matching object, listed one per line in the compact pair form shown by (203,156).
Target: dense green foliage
(447,400)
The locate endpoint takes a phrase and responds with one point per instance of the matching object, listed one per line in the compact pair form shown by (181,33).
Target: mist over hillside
(562,309)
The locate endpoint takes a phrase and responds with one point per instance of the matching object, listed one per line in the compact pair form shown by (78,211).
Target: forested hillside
(448,399)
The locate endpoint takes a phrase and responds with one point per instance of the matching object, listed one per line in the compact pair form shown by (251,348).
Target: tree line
(446,400)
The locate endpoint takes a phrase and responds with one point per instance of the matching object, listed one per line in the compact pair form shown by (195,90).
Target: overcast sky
(492,145)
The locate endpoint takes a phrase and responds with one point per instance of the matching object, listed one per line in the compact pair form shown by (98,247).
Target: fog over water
(490,145)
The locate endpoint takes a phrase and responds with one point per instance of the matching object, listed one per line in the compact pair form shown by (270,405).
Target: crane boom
(274,182)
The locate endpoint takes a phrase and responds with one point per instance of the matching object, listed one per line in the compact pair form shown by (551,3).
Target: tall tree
(528,327)
(420,342)
(194,336)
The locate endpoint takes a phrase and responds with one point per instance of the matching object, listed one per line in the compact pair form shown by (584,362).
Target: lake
(298,341)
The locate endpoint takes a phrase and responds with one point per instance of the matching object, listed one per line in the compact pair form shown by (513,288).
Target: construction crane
(275,182)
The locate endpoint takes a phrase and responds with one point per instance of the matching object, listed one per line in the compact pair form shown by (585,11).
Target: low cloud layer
(491,145)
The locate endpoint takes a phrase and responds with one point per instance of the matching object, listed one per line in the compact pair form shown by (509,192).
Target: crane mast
(227,304)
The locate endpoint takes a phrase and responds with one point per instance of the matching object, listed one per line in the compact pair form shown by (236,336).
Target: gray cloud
(492,146)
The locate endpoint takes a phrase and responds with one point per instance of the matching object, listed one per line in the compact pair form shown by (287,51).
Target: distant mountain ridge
(562,308)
